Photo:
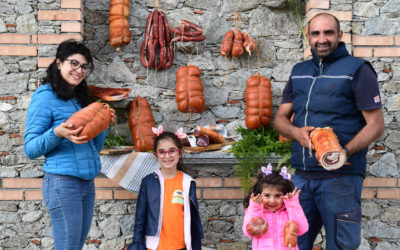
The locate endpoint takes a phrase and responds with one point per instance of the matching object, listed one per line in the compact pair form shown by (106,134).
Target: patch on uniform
(177,197)
(377,99)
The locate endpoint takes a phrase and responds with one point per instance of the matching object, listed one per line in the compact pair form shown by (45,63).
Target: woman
(72,162)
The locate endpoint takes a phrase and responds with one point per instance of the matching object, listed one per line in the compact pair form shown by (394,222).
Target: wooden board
(210,147)
(115,151)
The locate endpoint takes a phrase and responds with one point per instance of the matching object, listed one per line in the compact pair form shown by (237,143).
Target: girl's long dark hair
(59,85)
(174,138)
(272,180)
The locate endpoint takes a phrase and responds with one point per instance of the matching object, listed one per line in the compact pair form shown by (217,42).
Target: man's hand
(65,130)
(302,136)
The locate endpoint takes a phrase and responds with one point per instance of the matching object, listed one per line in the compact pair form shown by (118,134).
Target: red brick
(209,182)
(34,39)
(104,194)
(223,194)
(18,51)
(22,183)
(346,38)
(44,62)
(56,39)
(71,4)
(15,38)
(11,25)
(231,182)
(362,52)
(372,40)
(390,194)
(8,97)
(104,182)
(387,52)
(367,194)
(33,195)
(14,136)
(198,194)
(59,15)
(380,182)
(10,195)
(124,195)
(341,15)
(4,154)
(317,4)
(72,27)
(397,40)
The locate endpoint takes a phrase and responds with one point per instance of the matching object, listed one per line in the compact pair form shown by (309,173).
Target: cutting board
(210,147)
(115,151)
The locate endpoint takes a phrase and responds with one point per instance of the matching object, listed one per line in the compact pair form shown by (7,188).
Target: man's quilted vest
(323,98)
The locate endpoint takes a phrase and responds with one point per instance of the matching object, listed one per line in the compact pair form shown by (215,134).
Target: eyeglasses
(172,152)
(77,65)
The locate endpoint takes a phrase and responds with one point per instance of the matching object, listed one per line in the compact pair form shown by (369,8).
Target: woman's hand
(292,194)
(65,130)
(257,198)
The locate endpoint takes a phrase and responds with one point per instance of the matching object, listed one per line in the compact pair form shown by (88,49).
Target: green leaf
(252,151)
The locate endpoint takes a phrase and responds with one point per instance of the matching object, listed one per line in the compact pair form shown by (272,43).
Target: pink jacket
(273,238)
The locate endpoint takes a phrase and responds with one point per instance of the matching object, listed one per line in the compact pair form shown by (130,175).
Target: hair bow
(158,131)
(284,173)
(180,133)
(266,170)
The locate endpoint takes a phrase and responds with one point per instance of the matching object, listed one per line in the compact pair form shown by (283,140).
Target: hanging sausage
(189,90)
(258,99)
(141,121)
(119,23)
(157,37)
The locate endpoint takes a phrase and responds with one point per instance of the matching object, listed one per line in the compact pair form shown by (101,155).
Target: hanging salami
(119,23)
(258,99)
(157,37)
(189,90)
(141,121)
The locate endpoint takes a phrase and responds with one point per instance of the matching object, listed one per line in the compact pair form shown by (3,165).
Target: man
(335,90)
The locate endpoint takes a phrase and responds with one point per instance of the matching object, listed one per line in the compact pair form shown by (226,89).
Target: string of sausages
(187,32)
(236,42)
(157,37)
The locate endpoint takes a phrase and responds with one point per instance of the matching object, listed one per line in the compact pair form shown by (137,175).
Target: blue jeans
(335,204)
(70,202)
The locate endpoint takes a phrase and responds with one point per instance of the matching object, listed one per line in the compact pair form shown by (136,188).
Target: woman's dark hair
(174,138)
(59,85)
(272,180)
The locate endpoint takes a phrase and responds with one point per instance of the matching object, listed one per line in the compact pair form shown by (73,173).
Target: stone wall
(31,29)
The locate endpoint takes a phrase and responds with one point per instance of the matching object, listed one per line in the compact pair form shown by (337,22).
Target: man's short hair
(325,14)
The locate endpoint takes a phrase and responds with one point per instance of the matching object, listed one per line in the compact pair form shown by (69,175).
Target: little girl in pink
(274,198)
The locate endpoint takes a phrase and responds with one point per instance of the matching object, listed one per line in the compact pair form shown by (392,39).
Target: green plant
(115,140)
(297,8)
(252,152)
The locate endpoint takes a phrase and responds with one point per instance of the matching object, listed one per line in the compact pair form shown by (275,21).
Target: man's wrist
(347,152)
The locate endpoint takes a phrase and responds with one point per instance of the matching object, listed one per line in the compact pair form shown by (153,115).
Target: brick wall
(226,188)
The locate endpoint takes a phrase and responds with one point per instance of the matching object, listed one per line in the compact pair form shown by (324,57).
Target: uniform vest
(323,97)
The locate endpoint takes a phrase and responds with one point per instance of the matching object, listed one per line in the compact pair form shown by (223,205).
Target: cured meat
(214,136)
(328,151)
(119,23)
(94,118)
(258,99)
(290,233)
(237,48)
(189,90)
(257,226)
(227,43)
(141,121)
(202,140)
(249,44)
(109,94)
